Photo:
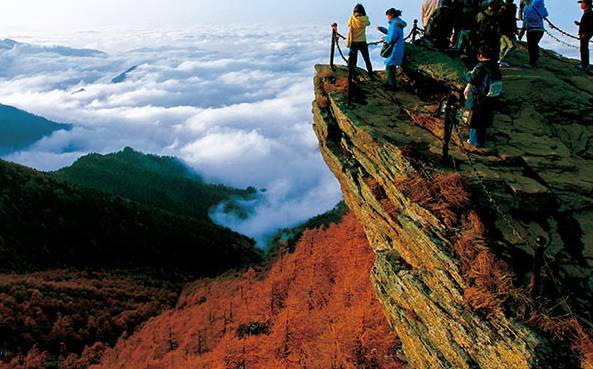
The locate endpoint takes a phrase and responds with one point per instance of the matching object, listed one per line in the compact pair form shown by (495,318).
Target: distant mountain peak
(123,76)
(20,129)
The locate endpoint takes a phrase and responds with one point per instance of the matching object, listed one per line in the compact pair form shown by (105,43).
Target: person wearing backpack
(508,31)
(484,87)
(533,24)
(393,49)
(357,39)
(488,27)
(585,32)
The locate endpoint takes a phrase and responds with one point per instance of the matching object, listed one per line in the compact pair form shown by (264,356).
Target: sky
(224,85)
(63,15)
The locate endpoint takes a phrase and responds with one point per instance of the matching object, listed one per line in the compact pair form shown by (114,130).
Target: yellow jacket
(359,24)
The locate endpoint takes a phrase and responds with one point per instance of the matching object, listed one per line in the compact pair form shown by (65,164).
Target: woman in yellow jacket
(358,24)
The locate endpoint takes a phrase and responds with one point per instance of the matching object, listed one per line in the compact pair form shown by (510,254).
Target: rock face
(538,171)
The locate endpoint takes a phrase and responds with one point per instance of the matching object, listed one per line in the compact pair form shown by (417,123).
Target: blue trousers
(477,136)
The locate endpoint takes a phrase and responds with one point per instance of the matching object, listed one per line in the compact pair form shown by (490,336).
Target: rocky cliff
(458,270)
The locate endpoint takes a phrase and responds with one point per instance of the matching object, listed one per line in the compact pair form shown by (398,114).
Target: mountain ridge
(20,129)
(72,227)
(163,182)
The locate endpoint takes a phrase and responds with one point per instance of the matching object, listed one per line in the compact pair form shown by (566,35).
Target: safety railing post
(415,30)
(333,47)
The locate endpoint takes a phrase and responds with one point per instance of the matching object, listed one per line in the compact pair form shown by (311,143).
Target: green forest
(163,182)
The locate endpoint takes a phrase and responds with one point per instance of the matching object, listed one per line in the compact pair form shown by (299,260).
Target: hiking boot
(504,64)
(584,69)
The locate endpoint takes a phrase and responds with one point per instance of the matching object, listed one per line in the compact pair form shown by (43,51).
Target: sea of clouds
(233,102)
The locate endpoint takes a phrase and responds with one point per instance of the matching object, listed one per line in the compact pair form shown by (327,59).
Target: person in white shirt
(428,9)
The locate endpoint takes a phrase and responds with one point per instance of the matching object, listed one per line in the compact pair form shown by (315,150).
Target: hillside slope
(458,270)
(314,309)
(19,129)
(163,182)
(53,317)
(45,223)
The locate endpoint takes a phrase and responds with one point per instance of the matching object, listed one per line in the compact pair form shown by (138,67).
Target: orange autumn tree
(314,309)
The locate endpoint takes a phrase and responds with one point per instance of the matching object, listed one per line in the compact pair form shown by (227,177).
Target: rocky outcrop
(538,173)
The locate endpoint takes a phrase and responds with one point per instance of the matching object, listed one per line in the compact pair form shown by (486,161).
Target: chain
(562,42)
(490,196)
(340,49)
(555,27)
(510,224)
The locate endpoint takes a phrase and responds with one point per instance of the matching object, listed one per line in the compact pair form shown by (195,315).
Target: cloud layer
(233,103)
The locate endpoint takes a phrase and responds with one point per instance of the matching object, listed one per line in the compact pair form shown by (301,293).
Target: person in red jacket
(585,32)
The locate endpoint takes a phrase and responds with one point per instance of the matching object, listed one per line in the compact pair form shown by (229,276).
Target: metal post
(415,30)
(538,263)
(333,47)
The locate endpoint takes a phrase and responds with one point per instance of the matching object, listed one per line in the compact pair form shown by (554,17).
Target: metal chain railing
(562,42)
(336,36)
(555,27)
(506,219)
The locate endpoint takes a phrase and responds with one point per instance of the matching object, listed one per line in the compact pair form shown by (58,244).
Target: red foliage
(52,315)
(314,309)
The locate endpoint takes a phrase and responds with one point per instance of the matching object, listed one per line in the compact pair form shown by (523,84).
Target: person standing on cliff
(522,5)
(488,27)
(395,36)
(357,39)
(429,7)
(508,31)
(585,32)
(440,27)
(483,89)
(533,24)
(467,28)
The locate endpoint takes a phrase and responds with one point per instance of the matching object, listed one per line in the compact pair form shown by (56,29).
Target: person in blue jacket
(395,35)
(533,24)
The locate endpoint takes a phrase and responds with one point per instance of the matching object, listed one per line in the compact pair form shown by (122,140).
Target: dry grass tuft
(339,86)
(490,281)
(445,195)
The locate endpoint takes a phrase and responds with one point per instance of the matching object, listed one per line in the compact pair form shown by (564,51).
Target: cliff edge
(459,271)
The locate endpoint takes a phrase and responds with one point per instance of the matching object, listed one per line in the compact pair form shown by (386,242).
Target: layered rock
(539,173)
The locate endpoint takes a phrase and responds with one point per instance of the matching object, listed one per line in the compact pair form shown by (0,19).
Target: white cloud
(235,108)
(232,101)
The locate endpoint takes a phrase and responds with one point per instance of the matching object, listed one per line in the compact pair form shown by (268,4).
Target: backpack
(388,48)
(491,88)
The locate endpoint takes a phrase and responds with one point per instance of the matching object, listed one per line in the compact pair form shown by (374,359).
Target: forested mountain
(315,308)
(19,129)
(93,251)
(46,223)
(163,182)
